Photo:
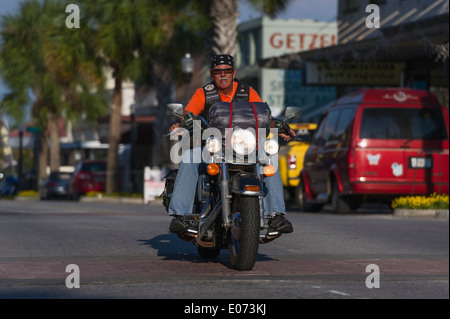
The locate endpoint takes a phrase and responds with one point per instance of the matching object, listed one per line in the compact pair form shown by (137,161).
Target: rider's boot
(280,224)
(178,224)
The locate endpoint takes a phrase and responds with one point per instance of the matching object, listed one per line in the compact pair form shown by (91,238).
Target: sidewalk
(104,199)
(112,199)
(442,214)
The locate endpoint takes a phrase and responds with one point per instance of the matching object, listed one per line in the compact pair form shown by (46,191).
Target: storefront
(408,50)
(280,86)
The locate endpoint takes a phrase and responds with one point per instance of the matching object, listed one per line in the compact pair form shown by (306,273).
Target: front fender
(241,181)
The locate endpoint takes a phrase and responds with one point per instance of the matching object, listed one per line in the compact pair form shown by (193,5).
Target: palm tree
(40,55)
(174,28)
(115,36)
(224,15)
(25,72)
(135,39)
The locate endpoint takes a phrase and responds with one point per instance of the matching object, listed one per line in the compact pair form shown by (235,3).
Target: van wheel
(339,204)
(300,200)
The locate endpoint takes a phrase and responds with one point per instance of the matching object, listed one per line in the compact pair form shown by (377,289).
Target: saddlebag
(168,187)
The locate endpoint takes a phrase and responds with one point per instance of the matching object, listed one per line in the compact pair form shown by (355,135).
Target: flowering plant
(434,201)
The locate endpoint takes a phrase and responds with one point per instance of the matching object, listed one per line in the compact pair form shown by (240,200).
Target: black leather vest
(212,95)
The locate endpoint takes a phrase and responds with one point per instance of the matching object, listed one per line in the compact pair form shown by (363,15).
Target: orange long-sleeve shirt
(198,100)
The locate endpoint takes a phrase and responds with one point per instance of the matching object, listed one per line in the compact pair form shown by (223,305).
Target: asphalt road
(125,251)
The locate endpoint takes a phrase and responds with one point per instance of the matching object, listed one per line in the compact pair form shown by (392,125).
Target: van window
(343,127)
(319,131)
(403,123)
(330,126)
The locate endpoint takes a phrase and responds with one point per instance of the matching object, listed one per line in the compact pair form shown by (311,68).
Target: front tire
(244,234)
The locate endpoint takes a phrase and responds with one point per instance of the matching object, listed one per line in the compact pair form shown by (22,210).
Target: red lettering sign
(312,45)
(301,41)
(279,42)
(289,41)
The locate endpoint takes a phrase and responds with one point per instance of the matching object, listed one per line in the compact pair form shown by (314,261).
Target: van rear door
(404,146)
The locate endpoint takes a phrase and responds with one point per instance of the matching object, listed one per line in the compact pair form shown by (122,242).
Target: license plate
(420,162)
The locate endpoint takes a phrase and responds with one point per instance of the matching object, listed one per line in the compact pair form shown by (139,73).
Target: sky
(321,10)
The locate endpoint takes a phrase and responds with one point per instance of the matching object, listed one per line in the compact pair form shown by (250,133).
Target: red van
(377,144)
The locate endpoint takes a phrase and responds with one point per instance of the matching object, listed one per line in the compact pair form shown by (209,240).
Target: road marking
(338,293)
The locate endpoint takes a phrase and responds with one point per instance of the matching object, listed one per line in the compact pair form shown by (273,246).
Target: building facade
(281,86)
(402,43)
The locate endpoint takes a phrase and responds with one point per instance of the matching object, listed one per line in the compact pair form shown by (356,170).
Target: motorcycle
(228,208)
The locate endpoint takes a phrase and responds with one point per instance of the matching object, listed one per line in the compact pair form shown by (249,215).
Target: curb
(120,200)
(91,199)
(442,214)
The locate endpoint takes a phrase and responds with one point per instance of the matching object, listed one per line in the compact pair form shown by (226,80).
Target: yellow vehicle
(290,159)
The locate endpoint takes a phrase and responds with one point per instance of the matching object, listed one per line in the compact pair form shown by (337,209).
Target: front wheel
(244,234)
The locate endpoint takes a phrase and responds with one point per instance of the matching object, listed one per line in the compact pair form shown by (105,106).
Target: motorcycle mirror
(176,108)
(292,112)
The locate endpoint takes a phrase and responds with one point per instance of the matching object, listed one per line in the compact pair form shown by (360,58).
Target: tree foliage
(61,71)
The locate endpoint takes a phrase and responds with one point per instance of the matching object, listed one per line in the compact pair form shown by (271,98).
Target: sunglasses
(219,71)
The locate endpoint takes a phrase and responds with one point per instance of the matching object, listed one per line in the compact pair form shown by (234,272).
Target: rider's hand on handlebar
(174,127)
(287,137)
(176,130)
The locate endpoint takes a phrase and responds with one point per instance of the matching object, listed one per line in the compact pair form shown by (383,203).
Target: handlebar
(188,121)
(189,118)
(283,127)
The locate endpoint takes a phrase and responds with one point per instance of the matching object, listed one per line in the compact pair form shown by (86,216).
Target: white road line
(338,293)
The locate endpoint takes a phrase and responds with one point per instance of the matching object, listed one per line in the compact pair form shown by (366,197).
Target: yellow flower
(433,201)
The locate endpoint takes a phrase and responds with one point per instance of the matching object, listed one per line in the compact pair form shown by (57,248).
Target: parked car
(89,176)
(8,185)
(55,185)
(290,159)
(377,144)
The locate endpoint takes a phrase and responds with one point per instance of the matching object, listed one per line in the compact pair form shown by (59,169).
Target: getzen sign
(301,41)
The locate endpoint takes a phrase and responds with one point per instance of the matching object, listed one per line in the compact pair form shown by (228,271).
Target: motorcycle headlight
(271,146)
(213,145)
(243,142)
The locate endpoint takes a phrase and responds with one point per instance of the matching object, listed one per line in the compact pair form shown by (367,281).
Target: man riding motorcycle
(224,88)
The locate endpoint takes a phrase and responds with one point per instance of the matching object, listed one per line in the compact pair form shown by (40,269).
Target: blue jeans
(185,186)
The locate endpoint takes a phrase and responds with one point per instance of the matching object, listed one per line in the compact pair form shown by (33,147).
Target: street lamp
(187,68)
(19,173)
(133,142)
